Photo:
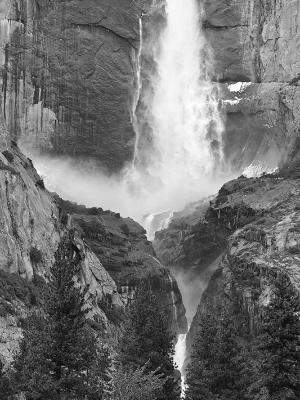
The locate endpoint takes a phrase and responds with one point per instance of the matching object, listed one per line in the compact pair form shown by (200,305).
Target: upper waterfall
(177,123)
(182,113)
(185,119)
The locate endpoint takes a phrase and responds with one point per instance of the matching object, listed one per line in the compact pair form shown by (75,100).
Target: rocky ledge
(261,218)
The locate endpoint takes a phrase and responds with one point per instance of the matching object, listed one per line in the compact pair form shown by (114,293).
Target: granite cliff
(115,254)
(256,43)
(261,218)
(68,72)
(69,76)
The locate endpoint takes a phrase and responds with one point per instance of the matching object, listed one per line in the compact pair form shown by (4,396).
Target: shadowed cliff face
(30,231)
(114,252)
(69,76)
(261,217)
(257,42)
(124,251)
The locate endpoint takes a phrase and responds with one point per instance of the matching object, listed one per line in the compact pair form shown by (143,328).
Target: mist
(192,284)
(185,159)
(133,196)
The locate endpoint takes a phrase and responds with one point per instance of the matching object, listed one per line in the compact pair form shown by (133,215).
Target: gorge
(148,108)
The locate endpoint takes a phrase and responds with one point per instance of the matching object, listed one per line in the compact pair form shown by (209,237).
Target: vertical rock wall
(258,42)
(68,76)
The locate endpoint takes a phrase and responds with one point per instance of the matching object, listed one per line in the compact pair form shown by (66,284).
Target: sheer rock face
(254,40)
(69,71)
(261,216)
(259,42)
(115,254)
(28,217)
(30,231)
(192,240)
(123,249)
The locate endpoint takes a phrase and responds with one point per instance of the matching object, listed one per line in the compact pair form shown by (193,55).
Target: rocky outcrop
(30,231)
(254,40)
(257,42)
(32,224)
(192,240)
(191,247)
(123,249)
(68,76)
(262,217)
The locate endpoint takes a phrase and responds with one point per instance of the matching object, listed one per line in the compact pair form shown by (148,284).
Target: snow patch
(239,87)
(257,169)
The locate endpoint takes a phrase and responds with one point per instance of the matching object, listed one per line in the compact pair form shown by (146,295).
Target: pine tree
(59,358)
(5,384)
(226,368)
(147,339)
(214,371)
(137,384)
(275,358)
(200,370)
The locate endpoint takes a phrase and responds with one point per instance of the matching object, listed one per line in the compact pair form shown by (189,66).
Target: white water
(137,93)
(181,163)
(192,285)
(183,107)
(183,114)
(179,358)
(175,316)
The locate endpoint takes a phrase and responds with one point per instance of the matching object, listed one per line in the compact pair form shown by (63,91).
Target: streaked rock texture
(254,40)
(124,251)
(192,240)
(261,217)
(115,254)
(68,72)
(259,42)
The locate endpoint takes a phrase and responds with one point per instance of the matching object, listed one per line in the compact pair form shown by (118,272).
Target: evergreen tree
(137,384)
(226,368)
(5,384)
(214,371)
(59,358)
(275,358)
(147,339)
(200,370)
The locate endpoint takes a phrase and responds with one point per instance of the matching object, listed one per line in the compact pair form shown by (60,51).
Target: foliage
(228,364)
(114,314)
(275,358)
(214,371)
(125,229)
(147,340)
(8,155)
(5,384)
(137,384)
(13,287)
(36,256)
(59,357)
(40,184)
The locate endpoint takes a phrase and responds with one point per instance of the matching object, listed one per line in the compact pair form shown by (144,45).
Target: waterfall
(137,92)
(156,222)
(175,315)
(178,128)
(177,124)
(179,358)
(183,111)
